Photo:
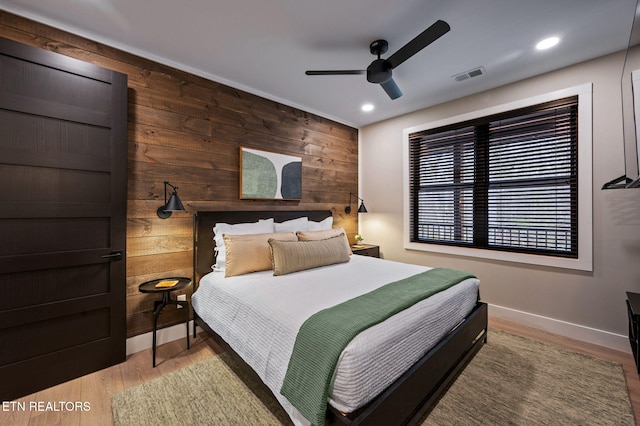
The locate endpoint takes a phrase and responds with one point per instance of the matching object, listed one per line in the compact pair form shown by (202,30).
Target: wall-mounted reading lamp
(361,209)
(173,205)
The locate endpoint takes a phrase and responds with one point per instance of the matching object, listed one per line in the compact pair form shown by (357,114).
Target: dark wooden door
(63,183)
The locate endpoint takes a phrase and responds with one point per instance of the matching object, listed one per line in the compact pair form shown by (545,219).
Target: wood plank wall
(187,130)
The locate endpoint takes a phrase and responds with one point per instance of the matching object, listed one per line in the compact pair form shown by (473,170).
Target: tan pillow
(250,252)
(323,235)
(292,256)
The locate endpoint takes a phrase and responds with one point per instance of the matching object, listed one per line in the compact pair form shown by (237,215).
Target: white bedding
(259,315)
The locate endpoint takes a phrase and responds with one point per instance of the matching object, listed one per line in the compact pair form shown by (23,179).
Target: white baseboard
(607,339)
(164,335)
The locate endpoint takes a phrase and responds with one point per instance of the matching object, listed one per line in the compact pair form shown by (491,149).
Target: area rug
(511,381)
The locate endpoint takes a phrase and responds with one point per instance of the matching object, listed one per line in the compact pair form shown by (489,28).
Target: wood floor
(97,388)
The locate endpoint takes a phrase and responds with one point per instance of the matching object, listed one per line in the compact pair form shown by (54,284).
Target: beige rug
(511,381)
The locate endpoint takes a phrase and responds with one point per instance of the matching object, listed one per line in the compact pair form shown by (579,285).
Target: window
(505,183)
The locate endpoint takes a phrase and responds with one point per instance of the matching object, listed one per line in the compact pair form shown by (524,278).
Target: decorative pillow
(319,226)
(299,224)
(324,234)
(262,226)
(292,256)
(250,252)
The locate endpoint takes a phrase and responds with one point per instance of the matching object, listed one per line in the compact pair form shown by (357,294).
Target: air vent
(469,74)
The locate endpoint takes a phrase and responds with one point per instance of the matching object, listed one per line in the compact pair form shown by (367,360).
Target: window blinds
(504,182)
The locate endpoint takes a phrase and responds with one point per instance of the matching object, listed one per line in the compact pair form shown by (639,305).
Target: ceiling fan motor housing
(379,71)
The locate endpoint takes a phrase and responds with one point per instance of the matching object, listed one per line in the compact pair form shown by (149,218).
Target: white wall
(586,305)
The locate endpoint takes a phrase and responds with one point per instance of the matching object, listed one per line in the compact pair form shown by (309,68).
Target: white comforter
(259,315)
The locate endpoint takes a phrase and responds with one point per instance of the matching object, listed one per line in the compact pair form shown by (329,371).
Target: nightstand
(366,250)
(633,311)
(158,305)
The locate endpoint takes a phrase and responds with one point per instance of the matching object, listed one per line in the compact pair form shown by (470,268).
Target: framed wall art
(269,176)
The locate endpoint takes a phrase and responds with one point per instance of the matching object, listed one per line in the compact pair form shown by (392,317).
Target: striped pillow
(292,256)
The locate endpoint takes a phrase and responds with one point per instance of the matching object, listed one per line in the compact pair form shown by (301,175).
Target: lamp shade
(362,208)
(173,205)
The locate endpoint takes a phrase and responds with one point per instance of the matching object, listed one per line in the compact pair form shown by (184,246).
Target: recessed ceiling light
(367,107)
(547,43)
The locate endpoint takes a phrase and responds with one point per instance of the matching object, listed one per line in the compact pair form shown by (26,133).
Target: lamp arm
(351,193)
(165,190)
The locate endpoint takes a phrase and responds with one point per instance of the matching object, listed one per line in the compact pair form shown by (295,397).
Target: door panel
(49,286)
(63,164)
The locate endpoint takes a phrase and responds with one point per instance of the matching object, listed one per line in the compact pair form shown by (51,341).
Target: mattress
(259,315)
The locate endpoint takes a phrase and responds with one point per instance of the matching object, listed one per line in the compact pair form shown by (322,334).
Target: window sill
(580,264)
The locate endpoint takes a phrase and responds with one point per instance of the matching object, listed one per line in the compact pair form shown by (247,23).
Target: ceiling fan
(380,70)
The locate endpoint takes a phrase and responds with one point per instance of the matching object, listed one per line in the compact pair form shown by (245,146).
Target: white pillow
(323,225)
(293,225)
(263,226)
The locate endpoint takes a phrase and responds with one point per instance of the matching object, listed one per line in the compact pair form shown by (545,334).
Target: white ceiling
(265,46)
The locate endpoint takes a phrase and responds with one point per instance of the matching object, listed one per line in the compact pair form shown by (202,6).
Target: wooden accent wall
(187,130)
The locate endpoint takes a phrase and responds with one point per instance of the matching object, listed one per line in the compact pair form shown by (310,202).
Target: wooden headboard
(204,221)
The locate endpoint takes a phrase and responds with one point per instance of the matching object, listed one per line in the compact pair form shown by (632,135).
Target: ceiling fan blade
(391,88)
(343,72)
(425,38)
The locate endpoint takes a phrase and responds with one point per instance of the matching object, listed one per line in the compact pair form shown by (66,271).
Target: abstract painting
(267,175)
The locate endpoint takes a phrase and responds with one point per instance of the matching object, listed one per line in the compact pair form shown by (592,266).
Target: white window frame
(584,262)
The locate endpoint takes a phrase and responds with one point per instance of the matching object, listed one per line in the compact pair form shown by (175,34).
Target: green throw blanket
(324,335)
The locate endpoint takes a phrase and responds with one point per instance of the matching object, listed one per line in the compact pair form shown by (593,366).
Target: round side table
(158,305)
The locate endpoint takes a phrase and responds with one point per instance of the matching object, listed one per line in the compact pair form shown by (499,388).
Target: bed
(412,368)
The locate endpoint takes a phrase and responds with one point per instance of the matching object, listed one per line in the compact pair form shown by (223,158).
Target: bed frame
(414,393)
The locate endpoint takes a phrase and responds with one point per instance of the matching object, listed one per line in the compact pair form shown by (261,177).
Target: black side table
(366,250)
(633,311)
(150,287)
